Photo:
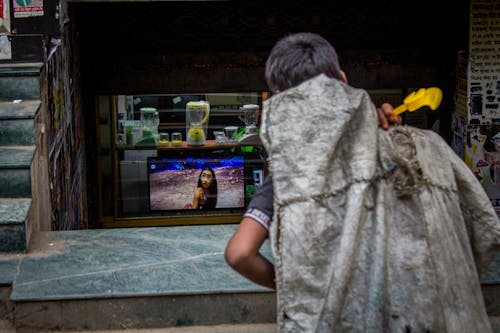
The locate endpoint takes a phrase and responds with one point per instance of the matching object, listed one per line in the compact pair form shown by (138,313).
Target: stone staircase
(19,104)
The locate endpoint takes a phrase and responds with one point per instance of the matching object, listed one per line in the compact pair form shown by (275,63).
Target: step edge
(31,107)
(17,298)
(23,165)
(31,149)
(13,223)
(24,213)
(29,69)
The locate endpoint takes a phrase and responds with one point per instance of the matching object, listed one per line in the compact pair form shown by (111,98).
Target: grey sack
(373,231)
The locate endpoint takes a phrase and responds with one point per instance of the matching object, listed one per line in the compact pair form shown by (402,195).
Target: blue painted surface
(132,261)
(8,268)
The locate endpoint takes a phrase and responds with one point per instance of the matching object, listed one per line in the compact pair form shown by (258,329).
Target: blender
(149,123)
(196,122)
(249,118)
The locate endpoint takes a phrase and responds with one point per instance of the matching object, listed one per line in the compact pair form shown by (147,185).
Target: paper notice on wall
(484,64)
(4,17)
(28,8)
(482,155)
(459,128)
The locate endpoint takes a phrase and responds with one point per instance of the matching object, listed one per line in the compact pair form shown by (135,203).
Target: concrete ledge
(21,68)
(22,110)
(128,262)
(226,328)
(146,312)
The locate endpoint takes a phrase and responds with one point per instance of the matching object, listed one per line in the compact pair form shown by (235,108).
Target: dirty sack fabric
(373,231)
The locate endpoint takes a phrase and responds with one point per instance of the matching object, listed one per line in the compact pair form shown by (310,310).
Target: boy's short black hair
(298,57)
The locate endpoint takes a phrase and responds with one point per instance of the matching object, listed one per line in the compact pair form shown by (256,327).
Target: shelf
(209,144)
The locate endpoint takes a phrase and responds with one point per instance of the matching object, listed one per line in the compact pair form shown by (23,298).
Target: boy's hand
(386,118)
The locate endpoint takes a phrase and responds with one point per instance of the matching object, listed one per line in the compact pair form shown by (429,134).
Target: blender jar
(250,115)
(197,122)
(149,122)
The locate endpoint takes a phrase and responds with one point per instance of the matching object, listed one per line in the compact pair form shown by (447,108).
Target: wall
(476,126)
(65,134)
(41,208)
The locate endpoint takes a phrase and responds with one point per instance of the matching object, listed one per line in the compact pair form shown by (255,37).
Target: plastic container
(176,139)
(197,114)
(163,139)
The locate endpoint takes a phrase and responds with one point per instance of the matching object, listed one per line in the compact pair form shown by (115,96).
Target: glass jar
(149,122)
(197,114)
(176,139)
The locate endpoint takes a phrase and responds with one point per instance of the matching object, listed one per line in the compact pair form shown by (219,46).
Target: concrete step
(135,278)
(7,327)
(15,171)
(20,81)
(13,215)
(17,123)
(145,280)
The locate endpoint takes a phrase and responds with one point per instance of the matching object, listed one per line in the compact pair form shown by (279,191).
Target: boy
(372,230)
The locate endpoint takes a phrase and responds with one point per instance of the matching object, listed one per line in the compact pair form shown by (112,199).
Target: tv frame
(200,155)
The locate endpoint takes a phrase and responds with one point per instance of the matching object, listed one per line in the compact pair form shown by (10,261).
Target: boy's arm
(242,250)
(242,253)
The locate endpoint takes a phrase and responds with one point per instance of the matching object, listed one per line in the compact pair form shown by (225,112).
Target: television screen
(207,181)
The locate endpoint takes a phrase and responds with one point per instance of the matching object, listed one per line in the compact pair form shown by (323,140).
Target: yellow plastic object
(196,133)
(430,97)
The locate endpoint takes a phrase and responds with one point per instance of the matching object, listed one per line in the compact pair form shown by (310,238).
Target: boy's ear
(343,77)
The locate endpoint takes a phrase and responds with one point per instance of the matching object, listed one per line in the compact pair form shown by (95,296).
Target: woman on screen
(205,195)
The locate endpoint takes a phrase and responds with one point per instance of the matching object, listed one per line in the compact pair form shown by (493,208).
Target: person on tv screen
(205,195)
